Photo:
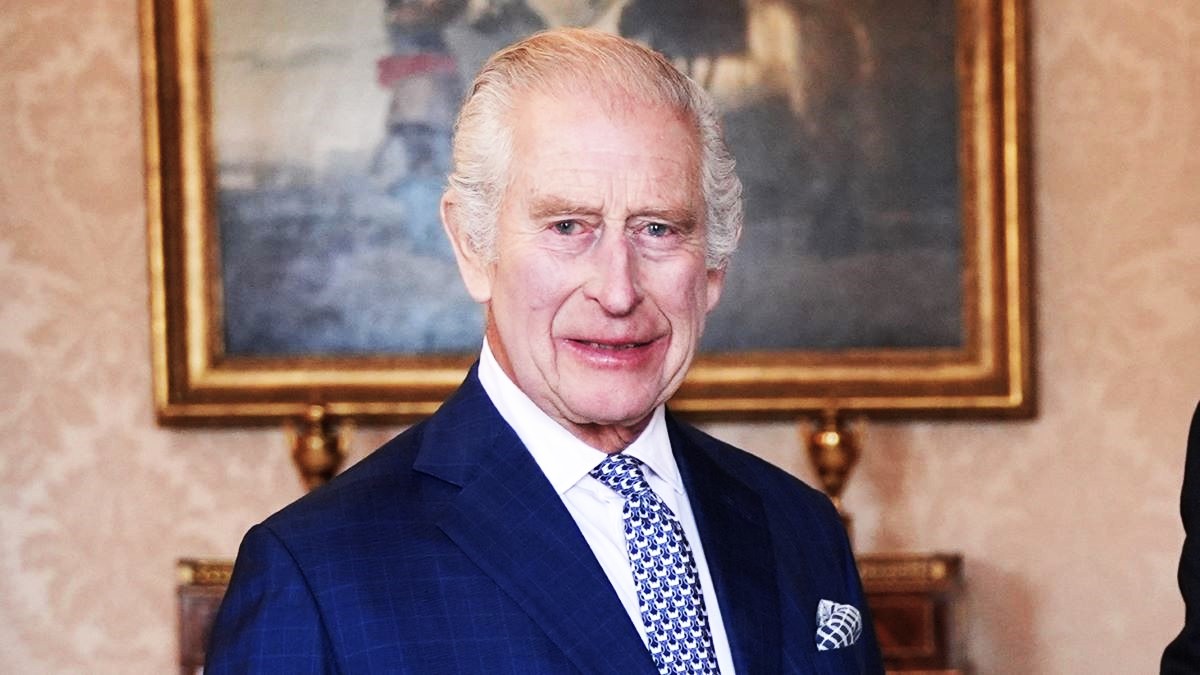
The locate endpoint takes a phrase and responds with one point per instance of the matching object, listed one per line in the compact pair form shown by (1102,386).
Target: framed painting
(296,151)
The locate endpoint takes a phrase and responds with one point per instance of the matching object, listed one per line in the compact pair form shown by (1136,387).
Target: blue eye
(566,227)
(658,229)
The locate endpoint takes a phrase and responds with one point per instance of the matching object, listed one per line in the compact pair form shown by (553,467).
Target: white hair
(603,63)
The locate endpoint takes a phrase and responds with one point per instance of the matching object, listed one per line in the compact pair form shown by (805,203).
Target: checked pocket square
(838,625)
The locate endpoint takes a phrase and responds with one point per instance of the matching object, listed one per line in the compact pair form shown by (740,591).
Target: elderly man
(552,517)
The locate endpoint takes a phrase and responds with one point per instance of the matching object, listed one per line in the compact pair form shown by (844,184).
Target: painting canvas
(332,122)
(297,150)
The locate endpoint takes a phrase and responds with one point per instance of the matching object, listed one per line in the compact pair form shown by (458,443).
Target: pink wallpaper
(1068,522)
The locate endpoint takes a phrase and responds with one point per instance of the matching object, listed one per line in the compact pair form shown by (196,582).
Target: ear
(714,284)
(476,272)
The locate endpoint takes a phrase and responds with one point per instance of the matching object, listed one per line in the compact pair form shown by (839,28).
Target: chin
(609,412)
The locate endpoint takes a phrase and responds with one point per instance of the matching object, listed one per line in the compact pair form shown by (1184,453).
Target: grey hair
(602,62)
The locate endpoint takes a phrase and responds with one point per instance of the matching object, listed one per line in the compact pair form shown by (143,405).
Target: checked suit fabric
(664,571)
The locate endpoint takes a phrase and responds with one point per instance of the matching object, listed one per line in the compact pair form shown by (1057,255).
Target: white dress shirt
(596,508)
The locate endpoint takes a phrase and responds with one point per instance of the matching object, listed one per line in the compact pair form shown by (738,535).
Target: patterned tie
(664,571)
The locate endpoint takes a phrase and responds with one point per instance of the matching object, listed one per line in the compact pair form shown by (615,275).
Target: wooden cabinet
(913,602)
(201,586)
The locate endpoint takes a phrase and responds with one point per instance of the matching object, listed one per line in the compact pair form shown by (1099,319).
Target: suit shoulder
(405,483)
(756,472)
(378,476)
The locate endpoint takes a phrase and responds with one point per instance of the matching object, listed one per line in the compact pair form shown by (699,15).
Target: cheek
(684,298)
(538,286)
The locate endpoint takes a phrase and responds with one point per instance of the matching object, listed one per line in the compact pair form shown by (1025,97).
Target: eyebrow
(550,206)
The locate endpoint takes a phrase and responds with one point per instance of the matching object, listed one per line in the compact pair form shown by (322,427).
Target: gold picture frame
(990,373)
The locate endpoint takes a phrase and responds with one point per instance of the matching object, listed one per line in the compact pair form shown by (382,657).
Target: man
(551,517)
(1183,654)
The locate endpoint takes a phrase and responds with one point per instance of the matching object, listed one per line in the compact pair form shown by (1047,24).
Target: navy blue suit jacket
(447,551)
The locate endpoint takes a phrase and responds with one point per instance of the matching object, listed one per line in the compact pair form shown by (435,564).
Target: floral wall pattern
(1068,522)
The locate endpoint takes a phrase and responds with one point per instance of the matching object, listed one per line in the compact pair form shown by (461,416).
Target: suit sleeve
(1183,654)
(868,644)
(268,621)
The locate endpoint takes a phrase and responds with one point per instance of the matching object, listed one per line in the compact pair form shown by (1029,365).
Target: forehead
(577,142)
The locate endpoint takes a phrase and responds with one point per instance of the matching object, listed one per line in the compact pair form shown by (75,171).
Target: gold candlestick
(319,448)
(834,450)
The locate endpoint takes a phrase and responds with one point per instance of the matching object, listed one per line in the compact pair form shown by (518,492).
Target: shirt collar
(562,457)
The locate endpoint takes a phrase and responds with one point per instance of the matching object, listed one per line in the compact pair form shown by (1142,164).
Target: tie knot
(622,473)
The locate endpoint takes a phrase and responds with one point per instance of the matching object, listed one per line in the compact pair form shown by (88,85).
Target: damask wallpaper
(1068,522)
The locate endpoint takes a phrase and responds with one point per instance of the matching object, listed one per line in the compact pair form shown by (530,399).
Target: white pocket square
(838,625)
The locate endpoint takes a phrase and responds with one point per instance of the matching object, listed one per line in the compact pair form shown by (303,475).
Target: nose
(614,283)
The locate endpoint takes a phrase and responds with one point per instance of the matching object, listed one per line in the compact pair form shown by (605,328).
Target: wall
(1068,522)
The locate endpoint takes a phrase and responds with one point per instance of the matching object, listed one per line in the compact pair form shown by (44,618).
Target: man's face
(599,291)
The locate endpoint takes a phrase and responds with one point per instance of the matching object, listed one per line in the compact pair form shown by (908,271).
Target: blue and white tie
(664,571)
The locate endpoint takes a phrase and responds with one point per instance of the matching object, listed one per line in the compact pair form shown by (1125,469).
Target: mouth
(621,353)
(612,346)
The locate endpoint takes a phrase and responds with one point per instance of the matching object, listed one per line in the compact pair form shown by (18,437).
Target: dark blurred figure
(687,29)
(1183,654)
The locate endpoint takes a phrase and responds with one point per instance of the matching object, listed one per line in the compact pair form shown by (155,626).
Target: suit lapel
(509,520)
(737,544)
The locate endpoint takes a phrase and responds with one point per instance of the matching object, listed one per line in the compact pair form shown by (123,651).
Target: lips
(610,346)
(624,353)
